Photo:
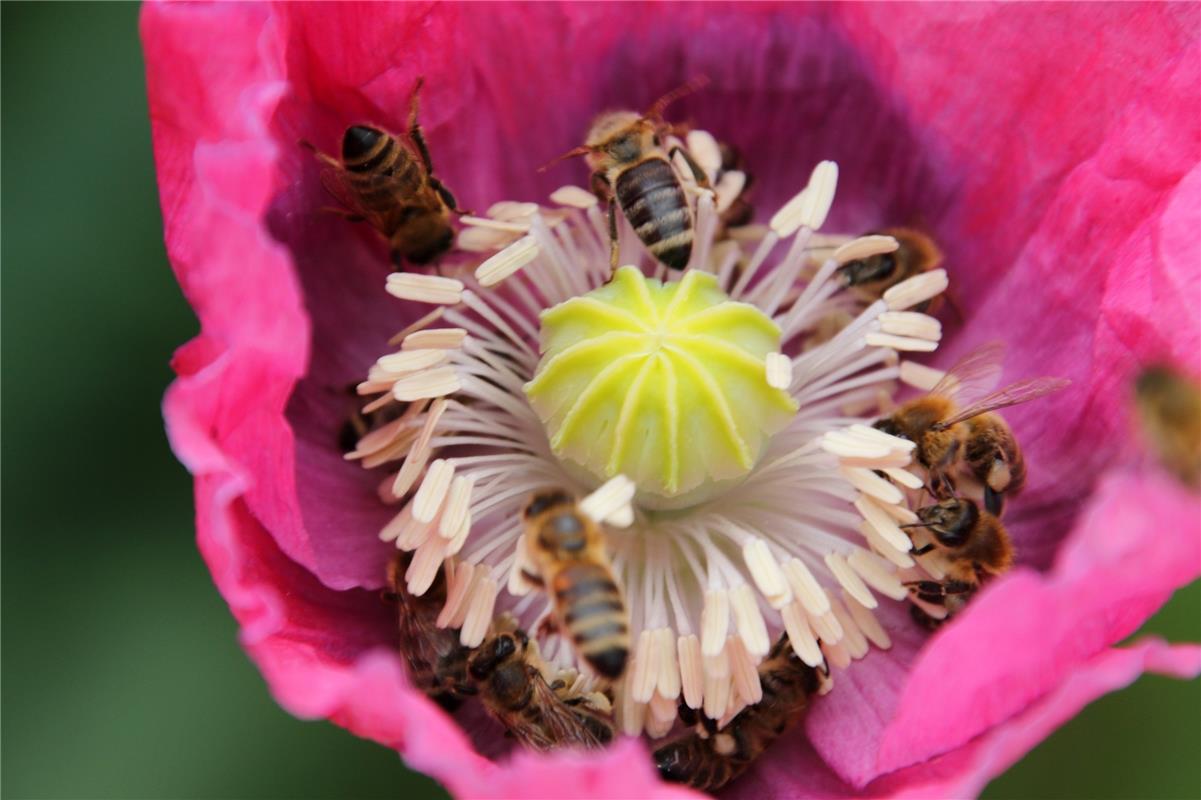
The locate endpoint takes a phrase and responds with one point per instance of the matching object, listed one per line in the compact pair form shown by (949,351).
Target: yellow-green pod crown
(662,382)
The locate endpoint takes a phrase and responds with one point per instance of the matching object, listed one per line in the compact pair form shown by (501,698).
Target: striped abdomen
(651,197)
(379,167)
(591,612)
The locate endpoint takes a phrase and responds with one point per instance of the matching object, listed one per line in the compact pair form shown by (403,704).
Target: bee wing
(334,181)
(562,722)
(973,375)
(1011,395)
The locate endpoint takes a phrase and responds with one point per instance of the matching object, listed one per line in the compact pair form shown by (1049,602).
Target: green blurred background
(121,673)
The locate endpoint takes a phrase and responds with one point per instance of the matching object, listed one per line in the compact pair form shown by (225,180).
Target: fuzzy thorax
(663,382)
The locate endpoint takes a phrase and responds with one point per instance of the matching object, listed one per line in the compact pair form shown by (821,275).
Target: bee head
(544,501)
(430,248)
(619,137)
(491,654)
(358,141)
(951,520)
(890,426)
(879,267)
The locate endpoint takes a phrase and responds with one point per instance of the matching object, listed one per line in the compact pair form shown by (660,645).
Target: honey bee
(916,253)
(568,550)
(382,181)
(707,759)
(1169,409)
(541,715)
(949,437)
(975,547)
(436,660)
(629,163)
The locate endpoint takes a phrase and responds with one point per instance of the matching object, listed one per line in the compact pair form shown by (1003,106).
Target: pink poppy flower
(1053,152)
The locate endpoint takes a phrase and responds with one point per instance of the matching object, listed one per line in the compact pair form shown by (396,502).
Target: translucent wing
(334,181)
(973,375)
(384,216)
(1011,395)
(564,721)
(554,723)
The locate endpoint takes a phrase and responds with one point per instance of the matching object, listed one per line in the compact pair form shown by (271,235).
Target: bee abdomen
(594,616)
(370,151)
(653,201)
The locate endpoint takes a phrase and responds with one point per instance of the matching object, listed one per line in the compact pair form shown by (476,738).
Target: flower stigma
(665,383)
(713,419)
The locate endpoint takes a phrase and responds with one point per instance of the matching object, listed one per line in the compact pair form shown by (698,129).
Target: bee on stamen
(435,659)
(974,547)
(632,169)
(508,672)
(970,438)
(707,758)
(569,553)
(870,277)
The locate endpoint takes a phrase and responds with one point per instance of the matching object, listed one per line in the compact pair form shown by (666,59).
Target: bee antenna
(582,150)
(697,83)
(914,525)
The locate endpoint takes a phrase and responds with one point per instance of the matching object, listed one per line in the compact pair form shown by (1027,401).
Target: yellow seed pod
(662,382)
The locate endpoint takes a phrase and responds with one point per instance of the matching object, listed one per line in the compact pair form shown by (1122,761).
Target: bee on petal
(389,183)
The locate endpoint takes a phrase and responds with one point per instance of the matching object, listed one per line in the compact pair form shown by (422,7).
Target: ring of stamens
(804,544)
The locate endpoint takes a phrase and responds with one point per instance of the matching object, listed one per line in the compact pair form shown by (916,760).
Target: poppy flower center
(715,427)
(665,383)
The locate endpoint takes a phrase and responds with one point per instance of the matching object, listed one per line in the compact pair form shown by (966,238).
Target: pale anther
(507,261)
(425,288)
(864,247)
(915,290)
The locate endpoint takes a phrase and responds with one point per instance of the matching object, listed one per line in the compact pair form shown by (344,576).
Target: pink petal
(1138,539)
(792,769)
(965,772)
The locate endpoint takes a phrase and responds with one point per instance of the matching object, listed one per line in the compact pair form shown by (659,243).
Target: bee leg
(698,174)
(994,501)
(536,580)
(327,160)
(446,196)
(933,588)
(926,548)
(602,190)
(941,486)
(940,590)
(415,127)
(341,212)
(613,249)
